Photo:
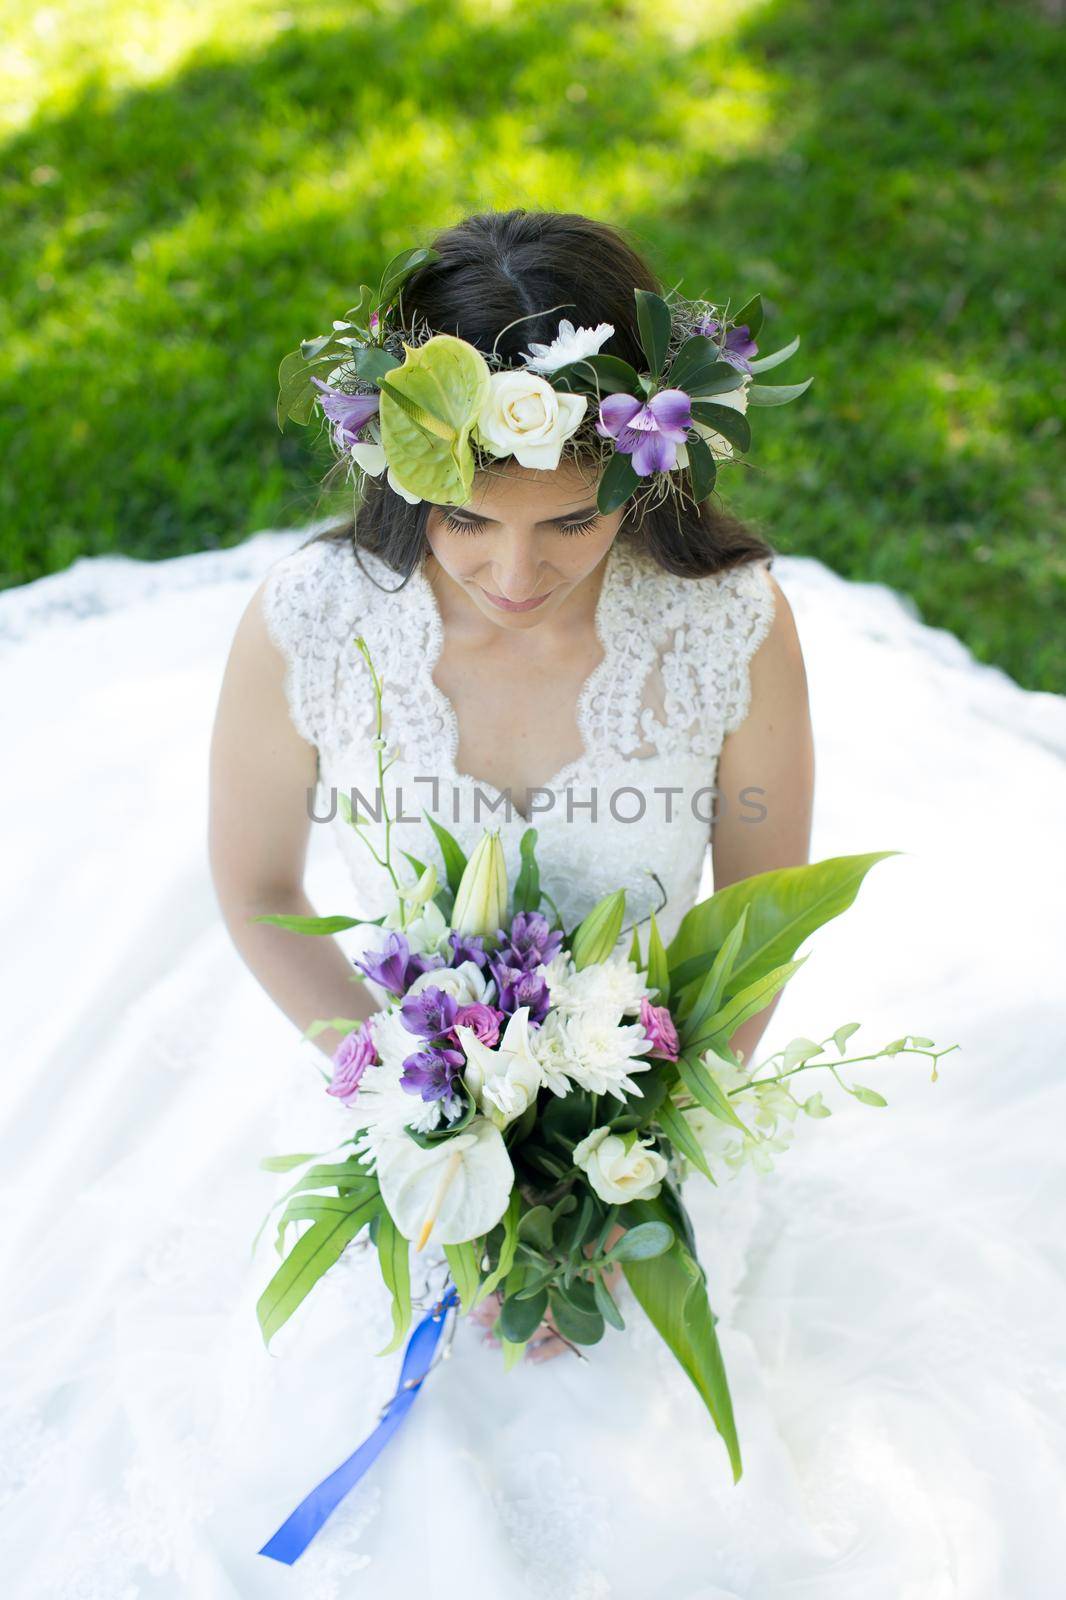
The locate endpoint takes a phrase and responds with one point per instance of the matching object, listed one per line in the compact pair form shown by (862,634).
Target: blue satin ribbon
(297,1531)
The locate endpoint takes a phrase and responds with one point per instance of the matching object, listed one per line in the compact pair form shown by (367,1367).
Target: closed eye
(465,525)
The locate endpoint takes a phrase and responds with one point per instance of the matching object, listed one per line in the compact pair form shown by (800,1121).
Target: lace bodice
(638,803)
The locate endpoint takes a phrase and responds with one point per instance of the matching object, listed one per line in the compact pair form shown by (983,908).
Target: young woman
(633,685)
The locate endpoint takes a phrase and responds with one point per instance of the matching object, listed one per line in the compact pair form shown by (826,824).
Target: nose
(516,570)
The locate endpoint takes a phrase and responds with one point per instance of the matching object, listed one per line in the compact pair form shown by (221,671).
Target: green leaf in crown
(428,407)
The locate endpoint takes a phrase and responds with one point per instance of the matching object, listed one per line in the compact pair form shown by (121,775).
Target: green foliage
(452,853)
(526,895)
(332,1229)
(784,907)
(465,1271)
(394,1259)
(671,1290)
(178,214)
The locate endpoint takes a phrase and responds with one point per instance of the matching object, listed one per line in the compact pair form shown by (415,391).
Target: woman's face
(525,540)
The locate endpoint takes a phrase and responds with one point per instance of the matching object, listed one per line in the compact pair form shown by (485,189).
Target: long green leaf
(394,1259)
(507,1248)
(785,906)
(466,1272)
(452,852)
(527,883)
(704,1088)
(314,1253)
(681,1136)
(316,925)
(653,325)
(705,995)
(777,357)
(777,394)
(658,966)
(719,1028)
(671,1291)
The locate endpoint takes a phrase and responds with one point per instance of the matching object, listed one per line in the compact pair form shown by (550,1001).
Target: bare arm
(771,755)
(260,774)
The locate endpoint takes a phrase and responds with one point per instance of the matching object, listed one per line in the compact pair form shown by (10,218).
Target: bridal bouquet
(529,1097)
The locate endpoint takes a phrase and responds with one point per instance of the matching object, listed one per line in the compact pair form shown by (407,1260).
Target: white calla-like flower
(503,1081)
(455,1190)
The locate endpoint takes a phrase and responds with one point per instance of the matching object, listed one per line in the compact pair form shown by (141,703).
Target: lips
(516,605)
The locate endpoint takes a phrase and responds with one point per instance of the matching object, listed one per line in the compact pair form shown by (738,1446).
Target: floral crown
(430,409)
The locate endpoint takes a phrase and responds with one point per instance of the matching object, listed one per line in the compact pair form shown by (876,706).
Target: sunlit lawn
(189,188)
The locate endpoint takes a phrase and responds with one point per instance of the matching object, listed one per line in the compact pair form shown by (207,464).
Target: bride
(631,684)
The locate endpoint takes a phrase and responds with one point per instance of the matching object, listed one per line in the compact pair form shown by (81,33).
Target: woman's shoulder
(710,628)
(737,603)
(320,589)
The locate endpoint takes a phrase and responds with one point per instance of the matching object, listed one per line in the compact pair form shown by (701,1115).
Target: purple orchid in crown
(647,431)
(738,346)
(394,967)
(349,413)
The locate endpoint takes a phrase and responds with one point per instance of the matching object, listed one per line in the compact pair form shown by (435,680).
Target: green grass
(188,189)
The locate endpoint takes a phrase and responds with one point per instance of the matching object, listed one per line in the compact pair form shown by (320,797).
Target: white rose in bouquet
(466,982)
(620,1167)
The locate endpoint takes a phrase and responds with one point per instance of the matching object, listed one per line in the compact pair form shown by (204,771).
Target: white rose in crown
(526,418)
(620,1167)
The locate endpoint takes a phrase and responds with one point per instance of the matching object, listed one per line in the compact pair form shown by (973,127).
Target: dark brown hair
(494,268)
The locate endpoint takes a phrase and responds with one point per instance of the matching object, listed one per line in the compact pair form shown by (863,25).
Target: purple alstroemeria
(650,431)
(349,413)
(739,346)
(467,947)
(433,1074)
(429,1013)
(394,967)
(517,987)
(529,942)
(351,1058)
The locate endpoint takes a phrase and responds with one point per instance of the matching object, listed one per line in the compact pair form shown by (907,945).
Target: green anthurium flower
(428,407)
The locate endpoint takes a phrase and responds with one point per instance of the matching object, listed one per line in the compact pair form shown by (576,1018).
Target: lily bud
(481,899)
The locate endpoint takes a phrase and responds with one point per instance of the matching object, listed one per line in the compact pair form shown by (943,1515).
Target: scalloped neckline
(450,718)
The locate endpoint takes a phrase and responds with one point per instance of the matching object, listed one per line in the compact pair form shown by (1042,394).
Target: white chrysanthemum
(551,1046)
(383,1109)
(569,344)
(609,988)
(466,982)
(600,1054)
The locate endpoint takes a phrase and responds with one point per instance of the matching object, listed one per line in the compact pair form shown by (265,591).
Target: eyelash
(458,526)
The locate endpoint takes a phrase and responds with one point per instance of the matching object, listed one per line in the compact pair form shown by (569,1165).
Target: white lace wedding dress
(891,1297)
